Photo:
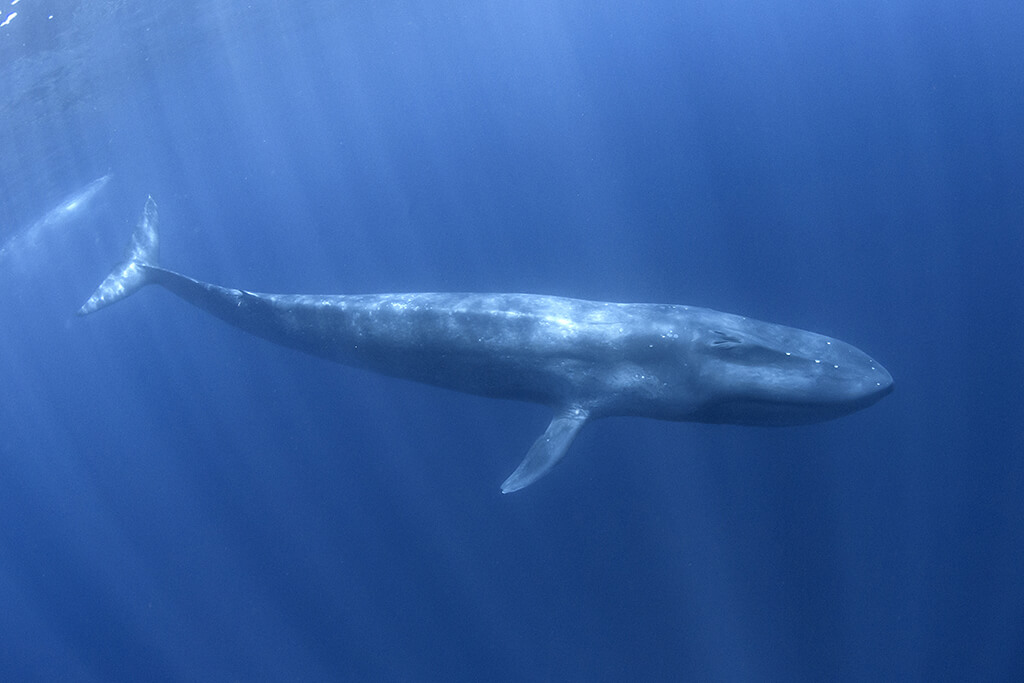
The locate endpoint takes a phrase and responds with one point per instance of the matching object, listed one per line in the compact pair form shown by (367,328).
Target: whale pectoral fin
(547,450)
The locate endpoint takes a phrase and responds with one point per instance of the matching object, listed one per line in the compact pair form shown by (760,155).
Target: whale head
(759,373)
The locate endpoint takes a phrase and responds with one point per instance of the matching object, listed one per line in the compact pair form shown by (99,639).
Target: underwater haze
(182,501)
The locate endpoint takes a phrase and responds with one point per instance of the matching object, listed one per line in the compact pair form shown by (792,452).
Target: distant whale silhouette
(22,242)
(584,359)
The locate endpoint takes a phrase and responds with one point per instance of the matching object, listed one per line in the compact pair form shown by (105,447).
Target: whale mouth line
(772,412)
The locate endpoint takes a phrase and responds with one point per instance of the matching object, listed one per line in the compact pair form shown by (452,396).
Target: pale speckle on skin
(563,322)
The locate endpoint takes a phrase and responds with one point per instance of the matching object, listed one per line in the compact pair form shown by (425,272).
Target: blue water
(180,501)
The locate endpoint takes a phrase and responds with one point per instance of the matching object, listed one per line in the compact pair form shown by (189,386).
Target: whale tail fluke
(131,274)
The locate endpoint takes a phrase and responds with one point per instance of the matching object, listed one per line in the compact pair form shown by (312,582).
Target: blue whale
(584,359)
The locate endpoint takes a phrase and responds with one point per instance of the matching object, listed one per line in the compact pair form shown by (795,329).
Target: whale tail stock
(131,274)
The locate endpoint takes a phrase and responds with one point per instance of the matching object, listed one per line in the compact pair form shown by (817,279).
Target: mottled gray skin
(584,359)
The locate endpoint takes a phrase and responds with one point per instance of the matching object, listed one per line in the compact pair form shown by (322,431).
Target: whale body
(22,242)
(584,359)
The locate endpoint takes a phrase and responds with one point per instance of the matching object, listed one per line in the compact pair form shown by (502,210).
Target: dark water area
(182,501)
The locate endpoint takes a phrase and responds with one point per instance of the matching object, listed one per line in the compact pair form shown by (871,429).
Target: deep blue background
(181,501)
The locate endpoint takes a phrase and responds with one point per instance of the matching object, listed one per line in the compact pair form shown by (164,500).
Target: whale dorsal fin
(548,449)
